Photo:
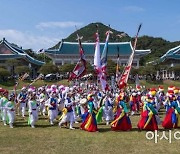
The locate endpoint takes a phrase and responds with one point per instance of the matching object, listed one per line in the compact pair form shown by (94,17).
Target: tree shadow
(102,130)
(20,122)
(42,118)
(19,126)
(43,126)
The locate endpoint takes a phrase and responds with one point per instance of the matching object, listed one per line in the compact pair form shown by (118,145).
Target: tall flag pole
(80,68)
(103,76)
(124,77)
(117,67)
(97,58)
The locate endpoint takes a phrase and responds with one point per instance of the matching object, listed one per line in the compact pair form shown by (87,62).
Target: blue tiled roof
(173,53)
(9,56)
(17,53)
(34,61)
(125,48)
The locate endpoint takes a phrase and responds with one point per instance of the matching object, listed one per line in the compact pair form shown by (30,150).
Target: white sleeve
(165,102)
(66,103)
(49,102)
(6,105)
(18,97)
(0,101)
(29,105)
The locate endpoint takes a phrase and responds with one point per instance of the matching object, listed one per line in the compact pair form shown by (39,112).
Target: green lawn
(166,83)
(51,139)
(10,85)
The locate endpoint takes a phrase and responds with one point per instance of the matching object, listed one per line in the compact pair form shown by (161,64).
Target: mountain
(158,46)
(88,33)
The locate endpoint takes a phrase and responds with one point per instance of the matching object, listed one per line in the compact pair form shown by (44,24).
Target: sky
(38,24)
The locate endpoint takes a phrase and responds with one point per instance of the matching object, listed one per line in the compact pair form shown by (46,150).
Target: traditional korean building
(170,59)
(68,52)
(11,51)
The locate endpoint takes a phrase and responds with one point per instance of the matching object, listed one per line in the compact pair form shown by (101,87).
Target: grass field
(52,139)
(10,85)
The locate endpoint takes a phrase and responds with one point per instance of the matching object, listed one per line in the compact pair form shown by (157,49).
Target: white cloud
(27,40)
(133,9)
(66,24)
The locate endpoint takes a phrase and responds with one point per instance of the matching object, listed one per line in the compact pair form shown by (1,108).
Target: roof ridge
(95,42)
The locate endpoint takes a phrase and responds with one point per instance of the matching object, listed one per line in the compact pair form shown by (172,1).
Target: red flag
(80,68)
(124,77)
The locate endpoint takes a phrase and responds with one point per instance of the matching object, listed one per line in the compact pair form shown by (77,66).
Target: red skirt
(152,124)
(89,124)
(167,122)
(123,124)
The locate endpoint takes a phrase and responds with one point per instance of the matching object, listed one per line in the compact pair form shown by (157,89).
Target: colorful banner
(124,77)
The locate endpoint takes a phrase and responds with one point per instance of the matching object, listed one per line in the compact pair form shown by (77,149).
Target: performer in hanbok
(154,100)
(10,106)
(42,99)
(105,111)
(177,95)
(68,115)
(133,103)
(122,120)
(52,106)
(148,118)
(161,95)
(172,117)
(75,107)
(139,101)
(89,124)
(3,103)
(22,100)
(33,113)
(83,108)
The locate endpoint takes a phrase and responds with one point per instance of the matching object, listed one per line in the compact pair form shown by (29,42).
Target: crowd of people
(87,104)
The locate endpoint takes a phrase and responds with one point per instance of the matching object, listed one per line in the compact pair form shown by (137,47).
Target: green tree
(22,69)
(12,63)
(90,68)
(134,71)
(4,73)
(67,68)
(48,68)
(111,67)
(176,69)
(41,57)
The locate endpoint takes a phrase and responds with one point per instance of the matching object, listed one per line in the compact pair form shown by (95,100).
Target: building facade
(170,59)
(11,51)
(68,52)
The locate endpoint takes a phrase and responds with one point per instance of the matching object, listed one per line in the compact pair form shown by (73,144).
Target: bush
(48,69)
(159,82)
(67,68)
(22,69)
(4,73)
